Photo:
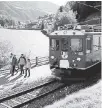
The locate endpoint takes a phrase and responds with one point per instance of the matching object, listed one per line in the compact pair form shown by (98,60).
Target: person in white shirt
(27,68)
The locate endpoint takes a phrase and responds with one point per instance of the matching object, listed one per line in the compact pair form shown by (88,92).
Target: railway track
(20,99)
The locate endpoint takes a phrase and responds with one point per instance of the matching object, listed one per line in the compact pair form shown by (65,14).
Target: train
(75,51)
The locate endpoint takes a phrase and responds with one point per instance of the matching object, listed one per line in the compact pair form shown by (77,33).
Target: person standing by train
(27,68)
(22,63)
(14,63)
(11,57)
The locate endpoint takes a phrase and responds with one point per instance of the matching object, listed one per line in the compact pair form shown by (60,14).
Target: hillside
(86,10)
(24,10)
(94,18)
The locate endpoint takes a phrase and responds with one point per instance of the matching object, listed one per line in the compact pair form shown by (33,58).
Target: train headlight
(74,65)
(52,57)
(78,59)
(73,60)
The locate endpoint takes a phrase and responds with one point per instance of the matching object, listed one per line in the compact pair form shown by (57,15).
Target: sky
(57,2)
(62,2)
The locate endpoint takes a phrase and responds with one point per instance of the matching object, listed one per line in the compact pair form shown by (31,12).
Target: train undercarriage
(76,74)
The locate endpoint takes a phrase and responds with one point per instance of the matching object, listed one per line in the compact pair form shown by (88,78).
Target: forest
(78,11)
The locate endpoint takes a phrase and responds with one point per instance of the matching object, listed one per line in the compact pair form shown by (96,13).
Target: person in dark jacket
(22,63)
(13,63)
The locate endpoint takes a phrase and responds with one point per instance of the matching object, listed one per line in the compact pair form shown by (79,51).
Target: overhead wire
(92,19)
(97,6)
(89,6)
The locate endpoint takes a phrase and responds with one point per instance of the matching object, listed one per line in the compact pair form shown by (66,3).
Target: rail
(23,98)
(15,94)
(38,61)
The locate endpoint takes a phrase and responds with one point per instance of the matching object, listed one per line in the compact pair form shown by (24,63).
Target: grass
(86,98)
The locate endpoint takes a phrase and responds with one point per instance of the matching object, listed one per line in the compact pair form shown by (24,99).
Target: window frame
(90,45)
(55,48)
(62,45)
(97,46)
(81,45)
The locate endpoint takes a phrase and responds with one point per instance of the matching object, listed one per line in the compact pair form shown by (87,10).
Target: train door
(64,63)
(93,52)
(89,50)
(54,51)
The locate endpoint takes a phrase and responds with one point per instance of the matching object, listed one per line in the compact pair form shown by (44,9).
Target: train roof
(68,32)
(78,30)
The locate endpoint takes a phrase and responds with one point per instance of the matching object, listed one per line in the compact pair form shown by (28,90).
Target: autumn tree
(64,16)
(84,8)
(5,50)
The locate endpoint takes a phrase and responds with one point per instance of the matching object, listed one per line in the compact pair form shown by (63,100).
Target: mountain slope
(24,10)
(84,8)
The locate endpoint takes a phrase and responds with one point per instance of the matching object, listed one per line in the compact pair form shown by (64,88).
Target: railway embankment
(19,83)
(90,97)
(81,94)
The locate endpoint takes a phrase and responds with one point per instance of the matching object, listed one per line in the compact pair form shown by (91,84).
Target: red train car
(75,53)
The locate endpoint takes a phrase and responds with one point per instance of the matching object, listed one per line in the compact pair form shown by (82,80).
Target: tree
(2,23)
(84,8)
(42,25)
(64,16)
(19,23)
(5,50)
(61,9)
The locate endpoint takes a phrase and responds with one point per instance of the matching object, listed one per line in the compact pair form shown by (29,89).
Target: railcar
(75,53)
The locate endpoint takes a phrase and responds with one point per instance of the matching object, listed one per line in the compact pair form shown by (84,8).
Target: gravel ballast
(23,87)
(61,94)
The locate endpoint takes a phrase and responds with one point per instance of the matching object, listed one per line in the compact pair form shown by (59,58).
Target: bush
(64,16)
(5,50)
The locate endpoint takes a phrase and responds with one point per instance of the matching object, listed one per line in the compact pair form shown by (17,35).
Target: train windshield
(76,45)
(64,44)
(54,44)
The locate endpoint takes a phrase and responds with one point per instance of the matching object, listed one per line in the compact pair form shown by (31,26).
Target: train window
(64,45)
(54,44)
(76,45)
(88,45)
(96,42)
